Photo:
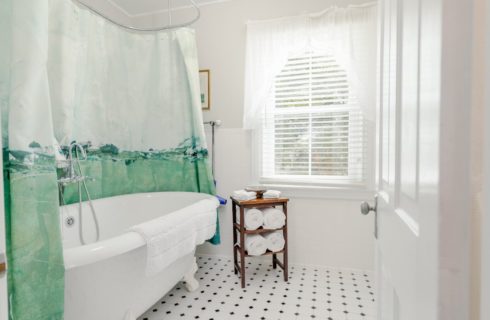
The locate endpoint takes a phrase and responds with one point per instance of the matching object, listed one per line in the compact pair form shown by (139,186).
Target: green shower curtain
(131,99)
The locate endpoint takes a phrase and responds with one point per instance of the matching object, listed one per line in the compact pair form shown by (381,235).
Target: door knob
(366,208)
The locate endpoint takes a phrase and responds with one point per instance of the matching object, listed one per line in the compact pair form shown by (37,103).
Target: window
(313,128)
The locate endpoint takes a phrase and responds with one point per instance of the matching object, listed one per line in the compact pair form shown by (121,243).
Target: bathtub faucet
(72,175)
(73,147)
(81,180)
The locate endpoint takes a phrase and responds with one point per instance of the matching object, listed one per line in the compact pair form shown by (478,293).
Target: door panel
(389,109)
(425,91)
(409,102)
(401,190)
(383,166)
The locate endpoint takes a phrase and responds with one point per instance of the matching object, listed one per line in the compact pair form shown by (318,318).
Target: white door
(417,161)
(406,169)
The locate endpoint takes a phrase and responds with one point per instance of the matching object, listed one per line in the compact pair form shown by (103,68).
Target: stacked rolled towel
(256,245)
(243,195)
(254,219)
(274,218)
(275,241)
(272,194)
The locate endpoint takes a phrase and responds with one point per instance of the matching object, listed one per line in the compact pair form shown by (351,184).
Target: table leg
(274,264)
(285,233)
(235,239)
(242,246)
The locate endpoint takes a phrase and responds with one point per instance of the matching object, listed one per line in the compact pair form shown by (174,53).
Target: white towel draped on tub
(177,234)
(255,245)
(275,241)
(274,218)
(253,219)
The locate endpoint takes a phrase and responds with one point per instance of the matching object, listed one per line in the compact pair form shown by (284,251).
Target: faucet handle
(77,147)
(82,151)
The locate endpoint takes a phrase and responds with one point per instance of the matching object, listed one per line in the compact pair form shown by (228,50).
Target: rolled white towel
(254,219)
(243,195)
(274,218)
(275,241)
(272,194)
(255,245)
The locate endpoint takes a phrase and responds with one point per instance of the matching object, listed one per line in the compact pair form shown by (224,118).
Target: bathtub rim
(105,249)
(82,255)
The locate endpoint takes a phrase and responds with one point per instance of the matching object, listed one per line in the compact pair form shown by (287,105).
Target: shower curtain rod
(168,27)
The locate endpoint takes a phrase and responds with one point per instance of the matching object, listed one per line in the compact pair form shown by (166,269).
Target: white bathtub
(106,280)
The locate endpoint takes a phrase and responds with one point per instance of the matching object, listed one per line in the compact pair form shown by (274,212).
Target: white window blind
(313,127)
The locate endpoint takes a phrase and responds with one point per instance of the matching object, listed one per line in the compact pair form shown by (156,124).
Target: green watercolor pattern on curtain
(184,168)
(34,250)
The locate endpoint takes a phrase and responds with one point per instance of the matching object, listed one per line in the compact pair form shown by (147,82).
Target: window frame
(309,189)
(321,184)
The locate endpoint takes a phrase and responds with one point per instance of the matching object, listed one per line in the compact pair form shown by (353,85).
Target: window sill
(323,192)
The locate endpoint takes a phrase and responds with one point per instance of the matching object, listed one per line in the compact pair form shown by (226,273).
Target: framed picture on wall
(205,79)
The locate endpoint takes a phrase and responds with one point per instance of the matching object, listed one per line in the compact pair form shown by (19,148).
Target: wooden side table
(240,231)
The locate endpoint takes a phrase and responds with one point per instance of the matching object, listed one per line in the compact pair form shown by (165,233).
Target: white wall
(221,42)
(322,231)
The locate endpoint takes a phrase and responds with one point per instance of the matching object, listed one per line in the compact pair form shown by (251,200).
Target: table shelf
(257,231)
(268,253)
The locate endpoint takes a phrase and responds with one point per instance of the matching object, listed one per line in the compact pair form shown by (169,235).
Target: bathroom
(155,152)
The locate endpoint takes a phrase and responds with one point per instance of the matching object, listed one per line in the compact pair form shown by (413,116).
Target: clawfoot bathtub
(106,280)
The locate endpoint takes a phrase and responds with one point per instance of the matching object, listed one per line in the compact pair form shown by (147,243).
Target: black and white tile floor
(311,293)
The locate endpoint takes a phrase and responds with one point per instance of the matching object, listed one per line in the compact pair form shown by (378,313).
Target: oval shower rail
(169,26)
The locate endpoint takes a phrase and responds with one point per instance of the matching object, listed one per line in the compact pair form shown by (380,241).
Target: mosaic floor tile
(312,292)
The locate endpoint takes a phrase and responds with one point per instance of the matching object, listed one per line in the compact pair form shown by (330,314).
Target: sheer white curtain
(348,34)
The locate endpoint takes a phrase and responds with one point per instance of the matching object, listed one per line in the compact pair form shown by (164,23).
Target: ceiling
(143,7)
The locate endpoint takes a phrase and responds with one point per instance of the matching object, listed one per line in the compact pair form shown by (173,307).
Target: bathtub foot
(191,283)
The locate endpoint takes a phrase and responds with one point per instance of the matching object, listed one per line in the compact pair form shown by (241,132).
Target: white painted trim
(328,193)
(347,191)
(485,232)
(454,154)
(291,262)
(331,192)
(310,191)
